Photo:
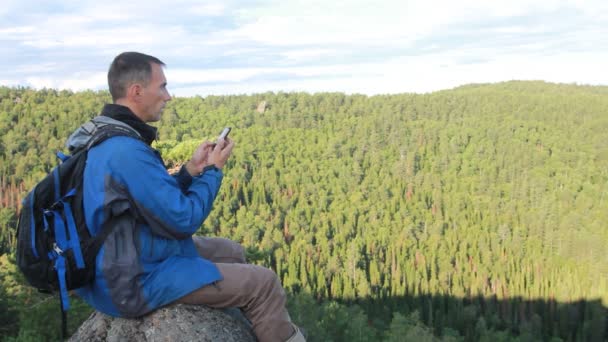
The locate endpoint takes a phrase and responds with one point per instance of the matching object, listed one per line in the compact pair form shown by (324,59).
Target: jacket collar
(124,114)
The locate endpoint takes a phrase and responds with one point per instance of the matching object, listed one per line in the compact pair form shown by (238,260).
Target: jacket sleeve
(183,178)
(179,212)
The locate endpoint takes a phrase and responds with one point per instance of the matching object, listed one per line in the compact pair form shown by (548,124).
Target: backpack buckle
(56,248)
(57,205)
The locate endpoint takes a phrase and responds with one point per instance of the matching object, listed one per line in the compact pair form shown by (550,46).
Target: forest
(477,213)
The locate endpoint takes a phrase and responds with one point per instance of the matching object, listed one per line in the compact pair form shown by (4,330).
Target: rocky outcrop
(261,107)
(174,323)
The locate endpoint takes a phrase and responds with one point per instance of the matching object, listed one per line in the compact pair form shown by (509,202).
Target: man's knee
(236,251)
(269,282)
(220,250)
(268,275)
(239,253)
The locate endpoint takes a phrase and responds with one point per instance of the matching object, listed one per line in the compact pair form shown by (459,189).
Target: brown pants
(254,289)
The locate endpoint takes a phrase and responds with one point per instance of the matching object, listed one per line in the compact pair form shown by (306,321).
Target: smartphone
(224,133)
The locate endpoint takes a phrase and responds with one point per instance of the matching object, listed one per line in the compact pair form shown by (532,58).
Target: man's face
(154,96)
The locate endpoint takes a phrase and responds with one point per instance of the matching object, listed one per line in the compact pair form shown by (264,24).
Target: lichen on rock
(178,322)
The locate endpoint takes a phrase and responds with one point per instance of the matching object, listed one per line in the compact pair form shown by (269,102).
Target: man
(151,258)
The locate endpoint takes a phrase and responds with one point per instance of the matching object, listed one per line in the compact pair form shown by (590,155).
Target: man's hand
(209,153)
(220,153)
(199,158)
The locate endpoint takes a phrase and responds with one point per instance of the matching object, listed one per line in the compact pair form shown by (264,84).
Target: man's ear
(134,92)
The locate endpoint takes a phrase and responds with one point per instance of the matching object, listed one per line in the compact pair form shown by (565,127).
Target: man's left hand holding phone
(209,155)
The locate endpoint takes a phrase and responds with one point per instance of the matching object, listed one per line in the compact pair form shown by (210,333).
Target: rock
(173,323)
(261,107)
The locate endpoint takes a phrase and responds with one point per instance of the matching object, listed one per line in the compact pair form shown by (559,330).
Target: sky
(356,46)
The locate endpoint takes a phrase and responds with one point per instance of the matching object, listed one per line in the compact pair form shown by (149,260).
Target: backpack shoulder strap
(97,130)
(110,130)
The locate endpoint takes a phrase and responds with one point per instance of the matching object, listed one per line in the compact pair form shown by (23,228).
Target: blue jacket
(150,261)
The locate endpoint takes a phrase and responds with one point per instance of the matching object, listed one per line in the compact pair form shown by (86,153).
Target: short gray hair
(128,68)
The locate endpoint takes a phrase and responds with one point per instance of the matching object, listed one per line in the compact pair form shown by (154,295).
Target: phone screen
(224,133)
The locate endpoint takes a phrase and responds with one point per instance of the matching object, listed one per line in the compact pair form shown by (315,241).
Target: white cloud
(178,76)
(362,21)
(9,6)
(332,26)
(17,30)
(36,68)
(296,55)
(358,46)
(76,81)
(409,74)
(210,9)
(101,38)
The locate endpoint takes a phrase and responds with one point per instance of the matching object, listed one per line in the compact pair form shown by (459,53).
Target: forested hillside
(478,213)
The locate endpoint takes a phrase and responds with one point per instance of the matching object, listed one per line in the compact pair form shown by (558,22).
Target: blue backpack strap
(74,241)
(61,242)
(63,289)
(61,236)
(57,184)
(59,247)
(57,255)
(33,223)
(46,213)
(62,156)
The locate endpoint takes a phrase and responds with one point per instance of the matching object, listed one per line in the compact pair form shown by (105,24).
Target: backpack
(55,249)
